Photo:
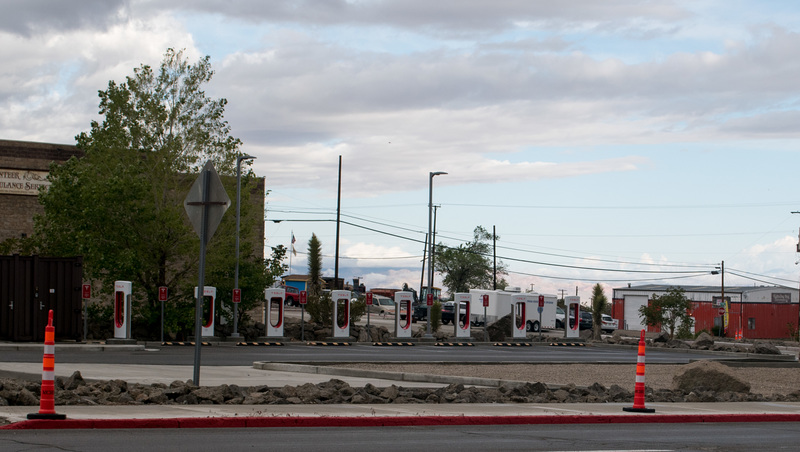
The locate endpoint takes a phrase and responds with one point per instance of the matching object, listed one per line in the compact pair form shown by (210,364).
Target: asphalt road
(245,355)
(592,437)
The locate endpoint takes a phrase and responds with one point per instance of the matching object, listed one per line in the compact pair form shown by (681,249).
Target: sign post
(205,205)
(485,305)
(162,297)
(303,301)
(541,308)
(236,299)
(86,293)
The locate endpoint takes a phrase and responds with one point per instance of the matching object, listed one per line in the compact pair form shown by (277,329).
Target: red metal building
(754,312)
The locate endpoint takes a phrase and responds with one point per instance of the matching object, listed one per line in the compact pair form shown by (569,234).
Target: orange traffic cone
(47,409)
(638,394)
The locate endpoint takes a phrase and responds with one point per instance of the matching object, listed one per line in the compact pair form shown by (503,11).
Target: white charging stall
(573,319)
(341,313)
(519,316)
(403,301)
(209,300)
(122,309)
(462,328)
(273,320)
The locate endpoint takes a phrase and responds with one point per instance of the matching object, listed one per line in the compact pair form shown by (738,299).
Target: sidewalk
(216,416)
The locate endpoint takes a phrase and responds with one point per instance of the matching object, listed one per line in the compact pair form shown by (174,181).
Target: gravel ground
(763,380)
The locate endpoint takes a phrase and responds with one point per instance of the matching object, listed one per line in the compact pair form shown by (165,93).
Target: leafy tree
(599,302)
(470,265)
(121,205)
(668,311)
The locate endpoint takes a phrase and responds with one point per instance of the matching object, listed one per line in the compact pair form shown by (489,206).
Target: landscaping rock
(765,348)
(703,341)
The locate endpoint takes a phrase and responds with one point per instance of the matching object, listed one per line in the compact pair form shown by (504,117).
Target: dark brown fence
(30,286)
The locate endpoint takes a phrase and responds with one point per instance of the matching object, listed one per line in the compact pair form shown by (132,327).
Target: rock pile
(691,387)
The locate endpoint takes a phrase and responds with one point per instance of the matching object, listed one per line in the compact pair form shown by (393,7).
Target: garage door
(633,319)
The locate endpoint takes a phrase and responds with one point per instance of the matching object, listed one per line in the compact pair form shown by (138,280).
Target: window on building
(751,323)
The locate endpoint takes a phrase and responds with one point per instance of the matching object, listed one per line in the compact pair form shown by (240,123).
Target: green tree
(599,302)
(470,265)
(121,205)
(319,302)
(668,311)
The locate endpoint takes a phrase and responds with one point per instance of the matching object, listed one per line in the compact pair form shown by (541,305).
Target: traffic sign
(486,300)
(369,298)
(162,293)
(429,299)
(237,295)
(86,291)
(721,311)
(206,202)
(303,297)
(541,302)
(540,309)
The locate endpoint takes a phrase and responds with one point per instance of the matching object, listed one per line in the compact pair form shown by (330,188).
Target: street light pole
(238,210)
(430,244)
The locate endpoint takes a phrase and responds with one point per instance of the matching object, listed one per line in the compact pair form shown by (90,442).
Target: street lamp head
(437,173)
(244,157)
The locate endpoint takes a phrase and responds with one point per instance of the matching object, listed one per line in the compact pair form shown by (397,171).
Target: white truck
(500,306)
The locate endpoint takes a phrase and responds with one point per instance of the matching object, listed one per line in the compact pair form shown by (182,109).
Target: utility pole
(494,258)
(338,216)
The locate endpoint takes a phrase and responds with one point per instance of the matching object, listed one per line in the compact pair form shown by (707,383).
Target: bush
(436,316)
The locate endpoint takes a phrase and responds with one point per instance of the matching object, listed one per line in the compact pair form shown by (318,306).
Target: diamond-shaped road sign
(208,196)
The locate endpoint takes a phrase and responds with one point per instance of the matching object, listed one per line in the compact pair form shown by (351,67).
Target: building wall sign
(22,182)
(781,298)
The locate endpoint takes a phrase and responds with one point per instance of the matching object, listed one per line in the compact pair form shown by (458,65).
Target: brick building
(24,167)
(23,170)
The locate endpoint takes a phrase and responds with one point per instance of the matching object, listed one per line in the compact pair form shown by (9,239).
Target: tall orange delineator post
(47,408)
(638,394)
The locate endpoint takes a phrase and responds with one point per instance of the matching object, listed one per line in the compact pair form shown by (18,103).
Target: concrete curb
(386,375)
(392,421)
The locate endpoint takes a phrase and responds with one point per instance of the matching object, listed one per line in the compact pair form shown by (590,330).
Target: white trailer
(500,306)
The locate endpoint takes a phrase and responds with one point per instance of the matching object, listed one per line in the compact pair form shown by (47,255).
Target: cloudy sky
(617,142)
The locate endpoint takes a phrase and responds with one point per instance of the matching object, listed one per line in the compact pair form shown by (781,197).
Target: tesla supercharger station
(273,322)
(210,297)
(403,305)
(519,316)
(462,299)
(122,309)
(572,327)
(341,320)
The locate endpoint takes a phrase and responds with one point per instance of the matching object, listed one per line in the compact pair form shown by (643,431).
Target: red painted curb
(392,421)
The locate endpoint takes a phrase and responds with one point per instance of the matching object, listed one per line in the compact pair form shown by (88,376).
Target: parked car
(448,313)
(584,323)
(292,296)
(609,324)
(383,306)
(560,317)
